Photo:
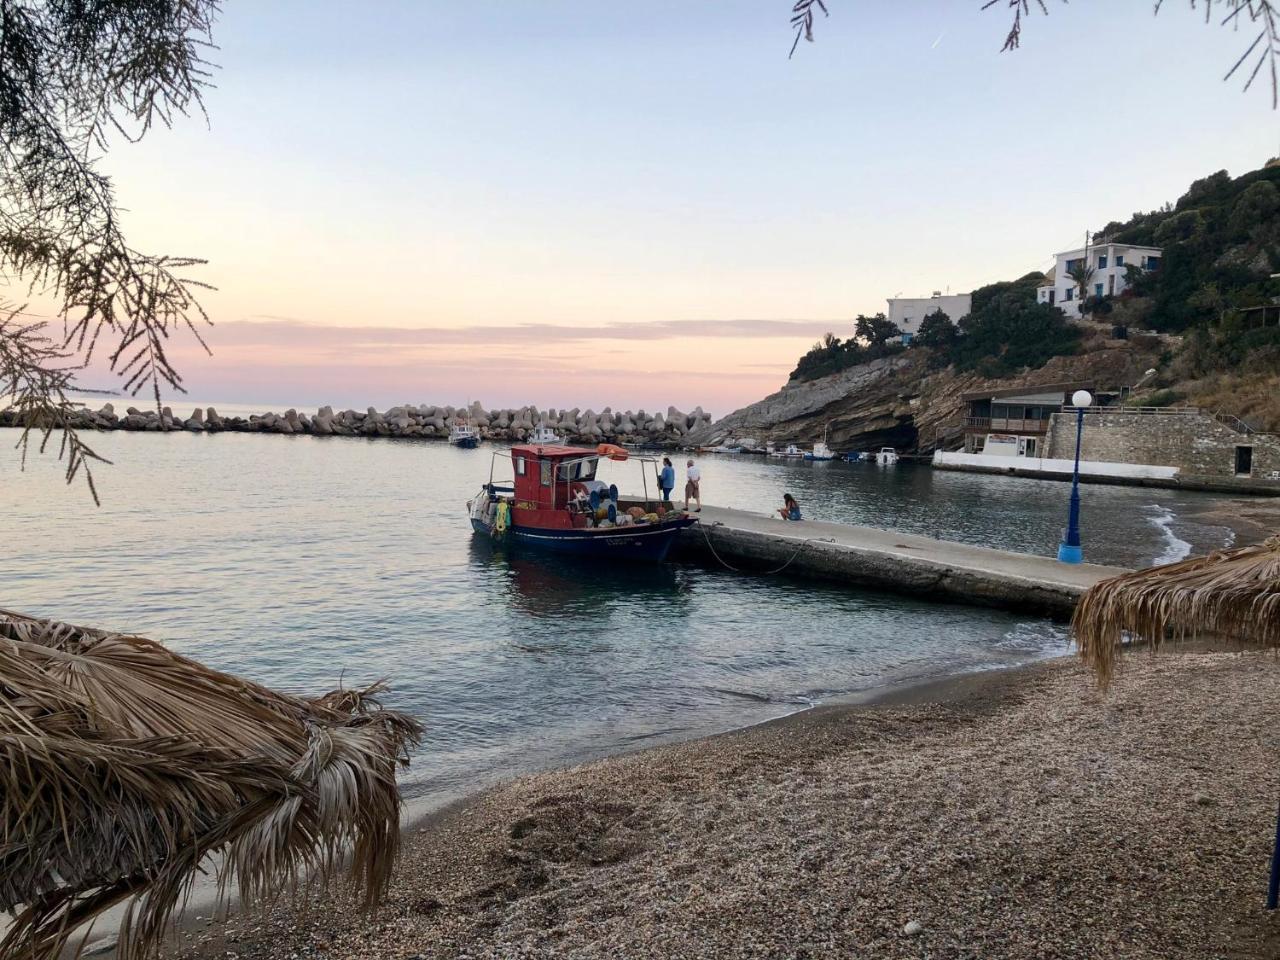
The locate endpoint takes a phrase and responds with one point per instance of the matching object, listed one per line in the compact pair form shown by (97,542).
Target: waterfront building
(1015,422)
(907,312)
(1031,431)
(1109,261)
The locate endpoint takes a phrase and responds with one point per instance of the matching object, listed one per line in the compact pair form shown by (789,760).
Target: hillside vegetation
(1221,243)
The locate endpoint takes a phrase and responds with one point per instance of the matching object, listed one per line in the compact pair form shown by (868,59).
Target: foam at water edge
(1175,548)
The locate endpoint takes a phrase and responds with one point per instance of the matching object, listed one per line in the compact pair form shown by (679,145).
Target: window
(1153,263)
(545,472)
(577,470)
(1102,262)
(1072,264)
(1052,294)
(1119,261)
(518,464)
(1066,295)
(1097,289)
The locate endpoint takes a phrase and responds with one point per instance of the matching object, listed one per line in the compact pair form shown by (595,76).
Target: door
(1031,447)
(1244,461)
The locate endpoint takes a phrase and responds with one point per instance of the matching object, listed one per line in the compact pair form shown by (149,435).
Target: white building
(907,312)
(1108,260)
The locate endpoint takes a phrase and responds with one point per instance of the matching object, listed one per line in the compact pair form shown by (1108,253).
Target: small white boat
(820,452)
(462,434)
(887,455)
(543,435)
(789,452)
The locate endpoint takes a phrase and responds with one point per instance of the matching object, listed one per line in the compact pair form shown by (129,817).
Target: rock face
(408,421)
(901,402)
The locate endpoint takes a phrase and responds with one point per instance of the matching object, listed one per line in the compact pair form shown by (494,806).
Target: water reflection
(363,566)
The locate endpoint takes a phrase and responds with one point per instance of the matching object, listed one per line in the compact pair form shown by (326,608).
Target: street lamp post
(1069,551)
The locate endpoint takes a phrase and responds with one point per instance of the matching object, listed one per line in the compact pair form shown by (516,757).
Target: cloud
(269,329)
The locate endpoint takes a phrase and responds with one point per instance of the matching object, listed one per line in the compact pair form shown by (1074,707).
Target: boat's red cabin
(546,479)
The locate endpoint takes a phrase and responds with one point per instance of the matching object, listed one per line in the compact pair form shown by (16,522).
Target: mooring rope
(728,566)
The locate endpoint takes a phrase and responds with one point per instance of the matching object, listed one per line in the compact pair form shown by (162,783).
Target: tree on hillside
(1007,330)
(936,330)
(1082,275)
(875,331)
(73,78)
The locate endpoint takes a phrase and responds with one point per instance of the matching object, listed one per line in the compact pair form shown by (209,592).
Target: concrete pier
(900,562)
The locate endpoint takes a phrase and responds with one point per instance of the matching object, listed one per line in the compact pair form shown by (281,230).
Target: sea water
(309,562)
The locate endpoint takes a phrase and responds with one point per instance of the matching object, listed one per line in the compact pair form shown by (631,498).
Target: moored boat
(789,452)
(820,452)
(555,502)
(543,434)
(462,434)
(887,455)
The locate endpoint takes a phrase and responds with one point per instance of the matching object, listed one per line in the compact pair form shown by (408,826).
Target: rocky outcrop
(408,421)
(901,402)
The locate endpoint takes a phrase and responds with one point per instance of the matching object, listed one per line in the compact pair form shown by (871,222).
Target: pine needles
(124,766)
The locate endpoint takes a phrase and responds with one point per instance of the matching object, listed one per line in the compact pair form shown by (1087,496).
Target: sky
(642,204)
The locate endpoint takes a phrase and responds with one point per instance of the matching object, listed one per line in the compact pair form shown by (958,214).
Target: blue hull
(649,544)
(468,443)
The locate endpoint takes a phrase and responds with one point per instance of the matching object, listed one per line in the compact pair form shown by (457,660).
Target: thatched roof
(1231,593)
(123,766)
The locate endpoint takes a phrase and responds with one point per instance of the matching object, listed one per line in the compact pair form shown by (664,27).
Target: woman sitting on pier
(790,510)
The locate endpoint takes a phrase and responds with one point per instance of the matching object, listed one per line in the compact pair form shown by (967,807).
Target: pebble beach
(1011,814)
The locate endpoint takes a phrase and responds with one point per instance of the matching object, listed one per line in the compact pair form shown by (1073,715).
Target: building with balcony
(1014,422)
(1109,262)
(907,312)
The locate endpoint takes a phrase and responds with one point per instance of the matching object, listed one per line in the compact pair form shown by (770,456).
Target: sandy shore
(1009,815)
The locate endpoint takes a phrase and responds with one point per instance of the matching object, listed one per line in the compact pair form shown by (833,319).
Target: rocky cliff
(901,402)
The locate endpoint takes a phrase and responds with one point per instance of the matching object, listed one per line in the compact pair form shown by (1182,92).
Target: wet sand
(1014,814)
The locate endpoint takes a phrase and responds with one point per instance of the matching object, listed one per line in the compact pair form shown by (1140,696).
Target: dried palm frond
(1232,593)
(124,767)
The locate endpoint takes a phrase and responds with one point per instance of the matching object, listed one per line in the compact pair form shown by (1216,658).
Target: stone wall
(1197,444)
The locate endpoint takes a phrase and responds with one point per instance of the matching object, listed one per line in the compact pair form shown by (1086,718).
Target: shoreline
(419,815)
(837,827)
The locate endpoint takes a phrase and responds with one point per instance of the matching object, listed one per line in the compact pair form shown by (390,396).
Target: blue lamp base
(1070,554)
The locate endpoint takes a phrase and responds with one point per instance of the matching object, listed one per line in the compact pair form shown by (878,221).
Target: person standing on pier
(693,486)
(667,479)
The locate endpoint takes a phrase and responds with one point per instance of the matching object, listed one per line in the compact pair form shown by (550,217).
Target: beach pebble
(912,928)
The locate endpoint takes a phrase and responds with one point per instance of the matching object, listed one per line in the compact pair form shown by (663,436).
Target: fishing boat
(544,435)
(820,449)
(555,502)
(887,455)
(789,452)
(462,434)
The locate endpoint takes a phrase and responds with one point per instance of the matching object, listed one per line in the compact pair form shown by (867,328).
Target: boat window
(546,472)
(518,463)
(577,470)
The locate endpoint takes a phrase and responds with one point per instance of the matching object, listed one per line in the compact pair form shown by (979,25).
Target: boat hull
(646,543)
(466,443)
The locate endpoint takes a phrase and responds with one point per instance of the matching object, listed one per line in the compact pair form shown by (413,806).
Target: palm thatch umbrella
(1229,593)
(124,766)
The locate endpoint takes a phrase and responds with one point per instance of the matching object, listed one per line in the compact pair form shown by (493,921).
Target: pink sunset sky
(643,204)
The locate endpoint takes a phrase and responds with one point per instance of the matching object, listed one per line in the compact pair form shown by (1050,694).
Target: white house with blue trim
(1108,260)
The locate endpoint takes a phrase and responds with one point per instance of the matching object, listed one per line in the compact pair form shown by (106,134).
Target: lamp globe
(1081,398)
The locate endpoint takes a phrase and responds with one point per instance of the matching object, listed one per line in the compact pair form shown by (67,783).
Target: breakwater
(410,421)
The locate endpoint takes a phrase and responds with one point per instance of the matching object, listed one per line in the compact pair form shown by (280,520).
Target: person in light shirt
(693,486)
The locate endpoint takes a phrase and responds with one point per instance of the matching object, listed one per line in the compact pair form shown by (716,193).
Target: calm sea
(306,562)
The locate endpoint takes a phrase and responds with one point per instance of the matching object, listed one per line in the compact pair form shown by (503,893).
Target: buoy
(612,451)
